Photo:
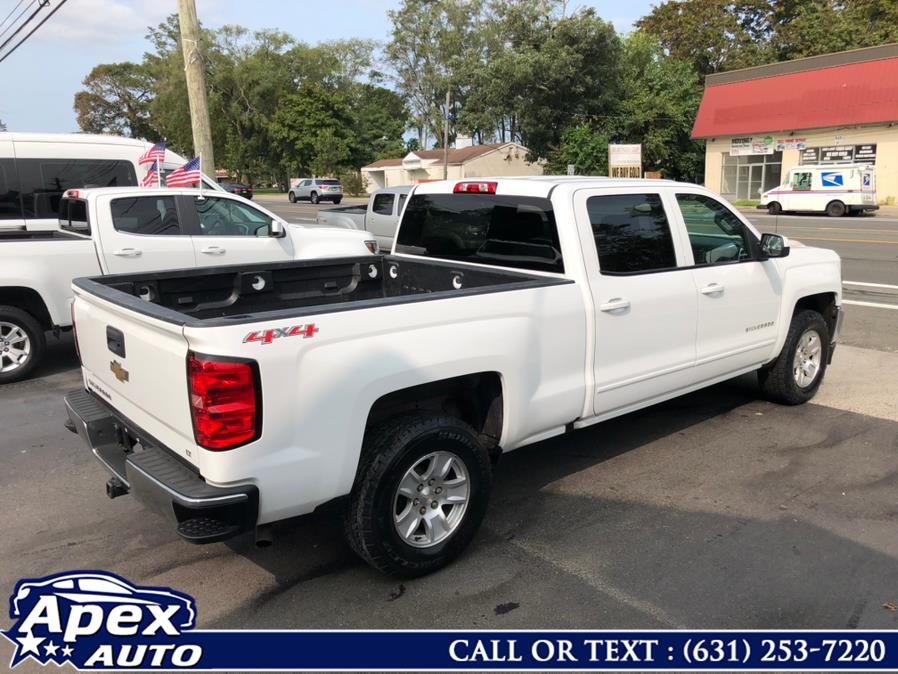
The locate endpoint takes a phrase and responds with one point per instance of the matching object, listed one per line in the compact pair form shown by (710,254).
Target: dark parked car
(238,188)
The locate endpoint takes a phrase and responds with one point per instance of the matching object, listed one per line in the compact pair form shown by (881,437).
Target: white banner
(625,155)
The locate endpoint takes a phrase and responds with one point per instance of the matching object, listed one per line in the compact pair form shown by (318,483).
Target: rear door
(380,219)
(738,295)
(643,294)
(229,231)
(141,233)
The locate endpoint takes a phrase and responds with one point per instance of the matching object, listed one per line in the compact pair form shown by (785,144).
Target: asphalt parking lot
(712,510)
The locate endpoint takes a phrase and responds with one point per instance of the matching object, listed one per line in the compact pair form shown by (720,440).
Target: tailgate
(138,365)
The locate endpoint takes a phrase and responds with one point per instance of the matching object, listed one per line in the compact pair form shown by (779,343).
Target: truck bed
(233,295)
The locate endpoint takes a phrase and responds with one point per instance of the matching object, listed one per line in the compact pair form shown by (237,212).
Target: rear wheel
(292,197)
(420,495)
(774,208)
(796,374)
(314,198)
(835,209)
(337,201)
(22,344)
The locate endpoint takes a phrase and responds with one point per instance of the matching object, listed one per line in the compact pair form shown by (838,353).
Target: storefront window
(746,176)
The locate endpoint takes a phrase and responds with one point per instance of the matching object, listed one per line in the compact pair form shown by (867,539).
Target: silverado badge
(120,373)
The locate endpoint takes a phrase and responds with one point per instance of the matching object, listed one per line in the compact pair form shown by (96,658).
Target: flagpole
(158,174)
(201,176)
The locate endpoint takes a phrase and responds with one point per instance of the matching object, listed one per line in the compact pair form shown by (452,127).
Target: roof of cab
(542,186)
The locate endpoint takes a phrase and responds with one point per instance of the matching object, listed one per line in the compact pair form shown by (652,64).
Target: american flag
(155,153)
(189,174)
(151,179)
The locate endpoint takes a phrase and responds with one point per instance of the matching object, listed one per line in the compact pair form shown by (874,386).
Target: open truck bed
(230,295)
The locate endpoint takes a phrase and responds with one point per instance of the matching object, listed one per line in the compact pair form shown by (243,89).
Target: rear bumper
(200,512)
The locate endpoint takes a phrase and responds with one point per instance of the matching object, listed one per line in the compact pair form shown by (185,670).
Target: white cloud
(101,22)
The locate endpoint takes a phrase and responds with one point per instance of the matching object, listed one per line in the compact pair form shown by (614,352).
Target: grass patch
(745,203)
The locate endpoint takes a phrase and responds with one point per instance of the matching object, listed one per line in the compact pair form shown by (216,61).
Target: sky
(40,79)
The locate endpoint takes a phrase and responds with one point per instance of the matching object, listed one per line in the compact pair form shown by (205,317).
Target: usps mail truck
(834,189)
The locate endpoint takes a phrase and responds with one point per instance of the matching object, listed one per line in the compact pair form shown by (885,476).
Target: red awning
(859,93)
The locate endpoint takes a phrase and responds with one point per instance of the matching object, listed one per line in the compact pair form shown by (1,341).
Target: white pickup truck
(509,311)
(380,216)
(129,229)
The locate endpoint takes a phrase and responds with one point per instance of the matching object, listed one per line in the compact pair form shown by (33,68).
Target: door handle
(712,289)
(615,304)
(213,250)
(126,252)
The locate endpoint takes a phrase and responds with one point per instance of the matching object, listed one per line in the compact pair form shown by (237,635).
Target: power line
(31,32)
(40,6)
(13,22)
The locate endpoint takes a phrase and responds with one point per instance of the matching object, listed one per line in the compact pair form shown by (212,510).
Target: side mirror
(277,229)
(773,245)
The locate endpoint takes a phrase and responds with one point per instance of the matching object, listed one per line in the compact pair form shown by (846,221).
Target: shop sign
(746,145)
(625,155)
(837,153)
(810,155)
(865,154)
(790,144)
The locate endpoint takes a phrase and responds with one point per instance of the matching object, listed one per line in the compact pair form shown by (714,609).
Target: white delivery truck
(510,310)
(834,189)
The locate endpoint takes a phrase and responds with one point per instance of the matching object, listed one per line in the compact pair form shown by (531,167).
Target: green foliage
(115,100)
(353,184)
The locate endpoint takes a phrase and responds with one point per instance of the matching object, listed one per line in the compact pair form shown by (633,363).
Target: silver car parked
(316,189)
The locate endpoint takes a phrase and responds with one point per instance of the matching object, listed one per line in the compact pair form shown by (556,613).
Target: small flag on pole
(186,175)
(151,179)
(155,153)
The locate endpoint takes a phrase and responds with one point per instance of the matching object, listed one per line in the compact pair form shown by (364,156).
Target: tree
(116,100)
(2,125)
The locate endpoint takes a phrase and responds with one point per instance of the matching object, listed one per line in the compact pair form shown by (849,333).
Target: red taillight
(475,187)
(224,401)
(75,332)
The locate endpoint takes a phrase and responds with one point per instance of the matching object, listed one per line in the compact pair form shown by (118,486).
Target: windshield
(509,231)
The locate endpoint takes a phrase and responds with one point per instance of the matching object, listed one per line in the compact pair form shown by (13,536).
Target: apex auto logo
(97,620)
(268,336)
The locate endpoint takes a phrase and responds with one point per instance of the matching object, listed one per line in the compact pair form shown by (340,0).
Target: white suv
(316,189)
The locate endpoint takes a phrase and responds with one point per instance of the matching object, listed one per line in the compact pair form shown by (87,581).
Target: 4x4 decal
(268,336)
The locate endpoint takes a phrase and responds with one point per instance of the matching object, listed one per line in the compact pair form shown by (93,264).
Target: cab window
(154,216)
(631,232)
(716,235)
(383,204)
(801,181)
(228,217)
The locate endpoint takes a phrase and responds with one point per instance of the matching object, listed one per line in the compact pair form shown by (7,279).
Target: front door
(738,295)
(644,297)
(229,231)
(145,234)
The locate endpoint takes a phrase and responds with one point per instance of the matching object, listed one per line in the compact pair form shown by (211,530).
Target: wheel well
(476,399)
(27,299)
(823,303)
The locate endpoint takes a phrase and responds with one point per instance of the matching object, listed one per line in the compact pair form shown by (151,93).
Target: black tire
(314,197)
(337,202)
(291,197)
(389,451)
(38,343)
(777,379)
(835,209)
(774,208)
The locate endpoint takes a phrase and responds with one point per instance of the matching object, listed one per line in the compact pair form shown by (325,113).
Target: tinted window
(383,204)
(226,217)
(10,206)
(715,233)
(402,198)
(44,180)
(155,216)
(73,215)
(631,232)
(490,229)
(328,182)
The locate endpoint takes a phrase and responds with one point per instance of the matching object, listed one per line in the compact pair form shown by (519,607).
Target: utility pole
(446,137)
(196,84)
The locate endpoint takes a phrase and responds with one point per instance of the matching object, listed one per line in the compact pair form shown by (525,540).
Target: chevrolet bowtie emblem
(116,368)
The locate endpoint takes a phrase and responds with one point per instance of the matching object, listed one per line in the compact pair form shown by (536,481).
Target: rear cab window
(500,230)
(73,216)
(383,204)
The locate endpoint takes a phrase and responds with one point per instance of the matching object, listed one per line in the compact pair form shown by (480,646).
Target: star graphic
(51,648)
(67,652)
(29,644)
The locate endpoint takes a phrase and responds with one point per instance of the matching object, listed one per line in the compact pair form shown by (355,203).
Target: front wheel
(22,344)
(292,198)
(420,495)
(314,198)
(796,374)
